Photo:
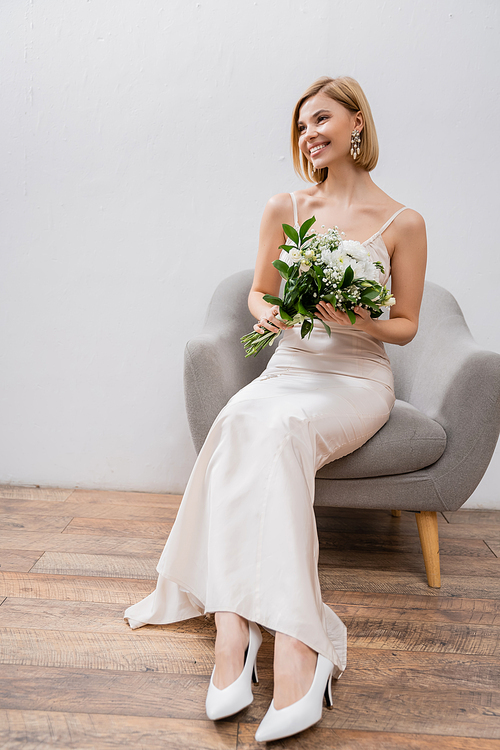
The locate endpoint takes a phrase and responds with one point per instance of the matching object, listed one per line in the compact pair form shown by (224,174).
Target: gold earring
(355,143)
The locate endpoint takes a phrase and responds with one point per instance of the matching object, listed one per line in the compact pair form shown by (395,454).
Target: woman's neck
(346,184)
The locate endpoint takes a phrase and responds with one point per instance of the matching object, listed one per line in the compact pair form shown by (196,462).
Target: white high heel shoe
(237,695)
(283,722)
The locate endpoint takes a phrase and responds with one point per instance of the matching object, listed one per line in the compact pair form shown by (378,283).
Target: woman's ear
(359,121)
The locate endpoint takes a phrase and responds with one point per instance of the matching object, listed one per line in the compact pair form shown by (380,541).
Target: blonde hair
(348,92)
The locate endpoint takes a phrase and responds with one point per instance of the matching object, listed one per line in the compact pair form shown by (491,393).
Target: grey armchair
(438,442)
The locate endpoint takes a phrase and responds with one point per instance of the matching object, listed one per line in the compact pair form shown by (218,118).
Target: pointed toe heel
(283,722)
(238,695)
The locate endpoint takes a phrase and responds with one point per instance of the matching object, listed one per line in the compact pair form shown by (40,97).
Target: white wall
(141,141)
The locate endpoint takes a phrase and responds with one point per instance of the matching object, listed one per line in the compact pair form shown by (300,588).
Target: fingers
(269,322)
(330,314)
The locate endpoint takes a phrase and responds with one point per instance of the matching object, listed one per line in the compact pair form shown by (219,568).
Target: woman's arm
(266,279)
(408,271)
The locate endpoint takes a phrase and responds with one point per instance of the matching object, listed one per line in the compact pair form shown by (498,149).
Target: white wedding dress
(245,537)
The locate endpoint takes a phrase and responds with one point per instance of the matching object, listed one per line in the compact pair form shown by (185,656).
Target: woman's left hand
(326,312)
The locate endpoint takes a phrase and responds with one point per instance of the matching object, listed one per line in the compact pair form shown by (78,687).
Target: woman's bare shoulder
(410,220)
(279,208)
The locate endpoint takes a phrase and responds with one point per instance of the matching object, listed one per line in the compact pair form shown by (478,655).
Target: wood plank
(20,560)
(96,617)
(123,591)
(34,493)
(111,527)
(350,739)
(403,526)
(144,566)
(91,544)
(419,636)
(453,565)
(90,510)
(473,516)
(391,581)
(155,530)
(400,544)
(107,566)
(411,601)
(108,692)
(133,650)
(464,713)
(494,546)
(469,531)
(20,521)
(130,651)
(53,730)
(93,617)
(431,671)
(464,616)
(169,694)
(124,498)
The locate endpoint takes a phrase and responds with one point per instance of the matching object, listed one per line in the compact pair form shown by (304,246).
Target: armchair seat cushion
(409,441)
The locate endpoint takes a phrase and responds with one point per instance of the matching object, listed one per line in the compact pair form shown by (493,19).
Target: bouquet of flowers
(322,267)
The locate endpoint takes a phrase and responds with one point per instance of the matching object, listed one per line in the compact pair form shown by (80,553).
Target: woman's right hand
(268,321)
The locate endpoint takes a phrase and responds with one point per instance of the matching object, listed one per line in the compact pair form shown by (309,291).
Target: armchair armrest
(215,367)
(446,375)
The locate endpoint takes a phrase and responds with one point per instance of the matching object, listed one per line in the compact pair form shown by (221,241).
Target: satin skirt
(245,538)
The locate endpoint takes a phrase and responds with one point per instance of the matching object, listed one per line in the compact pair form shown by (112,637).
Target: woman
(244,544)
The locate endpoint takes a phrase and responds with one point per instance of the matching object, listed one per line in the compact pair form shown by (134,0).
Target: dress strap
(295,212)
(391,220)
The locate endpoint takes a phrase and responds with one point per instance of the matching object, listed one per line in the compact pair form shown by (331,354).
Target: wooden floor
(423,664)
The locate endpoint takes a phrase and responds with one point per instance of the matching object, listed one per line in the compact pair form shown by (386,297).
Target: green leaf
(282,267)
(327,328)
(291,232)
(305,328)
(351,316)
(304,228)
(371,294)
(287,248)
(348,277)
(330,298)
(272,300)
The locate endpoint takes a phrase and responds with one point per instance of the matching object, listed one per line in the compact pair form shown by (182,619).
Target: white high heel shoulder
(283,722)
(237,695)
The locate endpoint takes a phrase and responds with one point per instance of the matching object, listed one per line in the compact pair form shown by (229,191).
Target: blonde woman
(244,544)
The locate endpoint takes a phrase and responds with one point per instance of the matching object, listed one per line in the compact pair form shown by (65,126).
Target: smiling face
(325,128)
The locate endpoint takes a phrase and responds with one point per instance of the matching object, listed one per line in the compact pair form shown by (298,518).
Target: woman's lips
(321,148)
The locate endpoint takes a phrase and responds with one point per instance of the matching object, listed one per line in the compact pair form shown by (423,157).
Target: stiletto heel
(238,695)
(283,722)
(328,693)
(255,678)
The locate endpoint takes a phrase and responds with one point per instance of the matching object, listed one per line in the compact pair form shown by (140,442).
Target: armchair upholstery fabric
(438,442)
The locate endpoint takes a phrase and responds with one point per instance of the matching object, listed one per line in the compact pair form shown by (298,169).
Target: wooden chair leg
(429,539)
(395,513)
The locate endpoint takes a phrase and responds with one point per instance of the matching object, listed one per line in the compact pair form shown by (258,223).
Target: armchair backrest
(442,340)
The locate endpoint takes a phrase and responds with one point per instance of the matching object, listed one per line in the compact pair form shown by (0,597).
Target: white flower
(304,267)
(390,302)
(355,249)
(359,270)
(326,256)
(295,255)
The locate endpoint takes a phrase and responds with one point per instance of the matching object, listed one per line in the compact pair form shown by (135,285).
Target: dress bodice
(374,244)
